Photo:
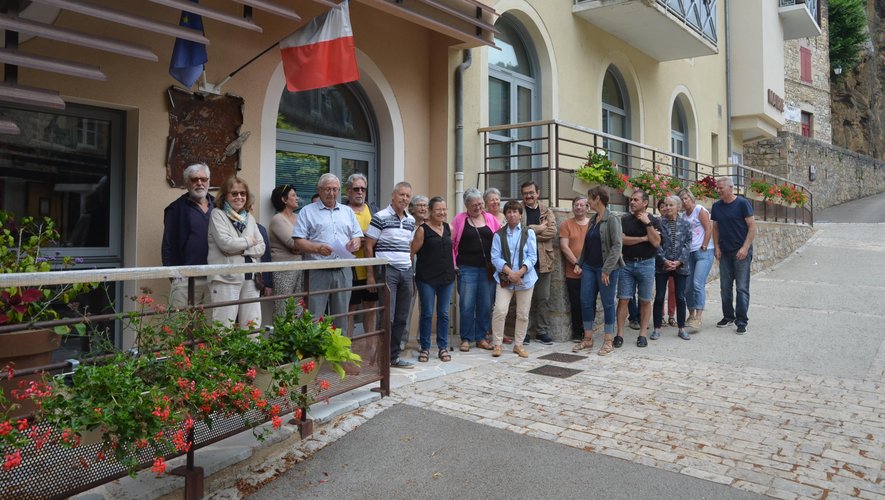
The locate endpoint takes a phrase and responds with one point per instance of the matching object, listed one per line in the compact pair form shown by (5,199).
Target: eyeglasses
(195,180)
(330,189)
(235,194)
(359,189)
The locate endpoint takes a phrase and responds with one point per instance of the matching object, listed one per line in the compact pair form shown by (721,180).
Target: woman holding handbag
(472,233)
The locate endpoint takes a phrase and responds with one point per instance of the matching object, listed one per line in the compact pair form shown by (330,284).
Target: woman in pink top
(472,233)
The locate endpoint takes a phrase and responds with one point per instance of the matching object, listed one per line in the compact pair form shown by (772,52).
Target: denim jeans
(473,303)
(591,285)
(734,273)
(637,275)
(661,280)
(700,263)
(400,284)
(432,296)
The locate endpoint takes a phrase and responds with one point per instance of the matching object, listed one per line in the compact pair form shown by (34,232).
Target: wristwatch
(703,249)
(648,224)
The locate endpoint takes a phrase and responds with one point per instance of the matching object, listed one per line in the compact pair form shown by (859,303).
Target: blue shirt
(529,257)
(321,224)
(731,222)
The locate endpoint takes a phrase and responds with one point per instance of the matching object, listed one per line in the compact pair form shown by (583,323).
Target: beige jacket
(227,246)
(544,232)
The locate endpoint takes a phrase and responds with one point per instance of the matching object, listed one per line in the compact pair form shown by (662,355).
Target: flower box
(581,186)
(264,378)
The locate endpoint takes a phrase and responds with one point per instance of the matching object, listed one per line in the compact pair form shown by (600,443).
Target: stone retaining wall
(841,175)
(774,242)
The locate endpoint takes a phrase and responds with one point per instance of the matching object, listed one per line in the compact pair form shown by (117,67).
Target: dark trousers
(661,280)
(573,285)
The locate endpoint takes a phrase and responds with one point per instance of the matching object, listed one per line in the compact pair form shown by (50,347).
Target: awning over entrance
(469,23)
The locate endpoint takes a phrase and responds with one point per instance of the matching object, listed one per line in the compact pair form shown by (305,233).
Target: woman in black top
(435,277)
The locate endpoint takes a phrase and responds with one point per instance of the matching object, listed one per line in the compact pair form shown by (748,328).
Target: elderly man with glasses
(186,233)
(321,227)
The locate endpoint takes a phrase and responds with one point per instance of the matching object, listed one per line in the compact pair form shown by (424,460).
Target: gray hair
(418,198)
(491,190)
(675,199)
(326,179)
(726,181)
(194,169)
(355,177)
(579,198)
(471,194)
(401,184)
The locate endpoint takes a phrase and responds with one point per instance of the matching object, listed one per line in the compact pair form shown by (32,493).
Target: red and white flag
(321,53)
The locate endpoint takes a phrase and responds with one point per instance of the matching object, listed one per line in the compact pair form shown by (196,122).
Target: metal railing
(57,471)
(549,152)
(699,15)
(811,5)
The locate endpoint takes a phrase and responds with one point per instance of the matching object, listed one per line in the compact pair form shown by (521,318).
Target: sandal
(587,343)
(423,356)
(672,321)
(606,348)
(444,355)
(465,346)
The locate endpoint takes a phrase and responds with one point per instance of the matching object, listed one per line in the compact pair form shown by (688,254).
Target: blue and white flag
(188,57)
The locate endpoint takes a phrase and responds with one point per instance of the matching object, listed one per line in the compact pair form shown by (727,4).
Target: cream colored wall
(758,62)
(399,52)
(573,56)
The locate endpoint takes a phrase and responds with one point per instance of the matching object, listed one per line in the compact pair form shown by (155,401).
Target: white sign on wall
(793,113)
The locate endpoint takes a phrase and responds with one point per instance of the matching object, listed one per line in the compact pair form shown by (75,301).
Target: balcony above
(666,30)
(799,18)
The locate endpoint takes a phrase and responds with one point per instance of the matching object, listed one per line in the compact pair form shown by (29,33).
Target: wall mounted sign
(793,113)
(203,129)
(775,100)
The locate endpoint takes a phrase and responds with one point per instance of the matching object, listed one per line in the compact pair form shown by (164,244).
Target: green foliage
(600,169)
(848,33)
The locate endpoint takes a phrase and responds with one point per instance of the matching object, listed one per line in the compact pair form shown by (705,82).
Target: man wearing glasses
(319,229)
(186,233)
(357,186)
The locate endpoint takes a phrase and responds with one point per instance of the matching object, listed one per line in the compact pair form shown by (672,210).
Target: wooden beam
(185,5)
(116,16)
(50,32)
(272,7)
(30,95)
(478,22)
(42,63)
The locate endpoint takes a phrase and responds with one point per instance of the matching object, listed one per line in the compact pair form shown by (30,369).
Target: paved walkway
(794,409)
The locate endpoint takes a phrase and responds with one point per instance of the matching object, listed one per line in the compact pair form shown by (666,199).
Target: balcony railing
(811,5)
(557,149)
(52,473)
(699,15)
(665,30)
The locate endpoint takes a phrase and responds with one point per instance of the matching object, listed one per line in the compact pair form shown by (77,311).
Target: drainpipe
(459,130)
(728,144)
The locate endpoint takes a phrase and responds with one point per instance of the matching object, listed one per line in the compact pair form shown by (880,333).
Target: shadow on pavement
(407,452)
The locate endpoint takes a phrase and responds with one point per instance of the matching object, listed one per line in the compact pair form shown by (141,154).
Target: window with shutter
(805,64)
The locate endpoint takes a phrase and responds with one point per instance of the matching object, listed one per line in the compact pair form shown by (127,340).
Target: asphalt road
(408,452)
(867,210)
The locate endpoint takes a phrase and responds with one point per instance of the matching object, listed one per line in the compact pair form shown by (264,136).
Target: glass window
(513,55)
(678,140)
(615,110)
(331,111)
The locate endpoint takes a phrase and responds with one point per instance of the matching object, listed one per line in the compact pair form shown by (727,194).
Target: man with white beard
(186,233)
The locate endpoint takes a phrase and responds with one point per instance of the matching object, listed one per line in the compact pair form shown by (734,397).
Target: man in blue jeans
(734,229)
(640,245)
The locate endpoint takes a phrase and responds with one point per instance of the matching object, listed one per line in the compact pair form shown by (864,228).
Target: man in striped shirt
(389,237)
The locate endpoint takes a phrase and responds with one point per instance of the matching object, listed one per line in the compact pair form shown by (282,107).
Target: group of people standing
(494,255)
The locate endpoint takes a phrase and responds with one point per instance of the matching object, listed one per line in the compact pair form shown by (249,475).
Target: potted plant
(598,170)
(656,185)
(22,250)
(704,191)
(763,190)
(793,197)
(302,339)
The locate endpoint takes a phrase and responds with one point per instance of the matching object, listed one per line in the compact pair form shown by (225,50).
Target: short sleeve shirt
(393,237)
(321,224)
(631,226)
(730,219)
(575,234)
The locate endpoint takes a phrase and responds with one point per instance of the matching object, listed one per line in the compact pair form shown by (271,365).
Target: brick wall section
(774,242)
(842,175)
(812,97)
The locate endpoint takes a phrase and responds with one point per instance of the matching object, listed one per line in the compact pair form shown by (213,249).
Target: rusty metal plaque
(562,357)
(555,371)
(201,127)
